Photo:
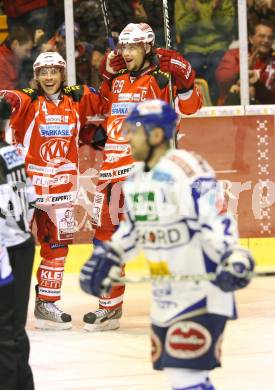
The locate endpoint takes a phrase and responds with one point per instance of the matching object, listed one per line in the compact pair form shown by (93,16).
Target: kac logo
(54,151)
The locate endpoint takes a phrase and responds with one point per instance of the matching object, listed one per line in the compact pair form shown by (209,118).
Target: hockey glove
(183,75)
(110,64)
(100,271)
(235,270)
(5,108)
(12,104)
(117,63)
(93,135)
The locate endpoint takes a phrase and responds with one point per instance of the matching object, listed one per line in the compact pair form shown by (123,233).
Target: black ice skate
(102,319)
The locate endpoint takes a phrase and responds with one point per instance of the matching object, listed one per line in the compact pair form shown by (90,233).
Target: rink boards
(263,250)
(239,143)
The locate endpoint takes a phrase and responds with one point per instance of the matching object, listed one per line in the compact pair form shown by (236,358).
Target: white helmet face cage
(49,59)
(136,33)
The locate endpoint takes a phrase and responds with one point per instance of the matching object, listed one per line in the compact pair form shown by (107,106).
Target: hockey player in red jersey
(137,71)
(46,123)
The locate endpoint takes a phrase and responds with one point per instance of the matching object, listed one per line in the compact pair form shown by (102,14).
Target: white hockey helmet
(136,33)
(48,59)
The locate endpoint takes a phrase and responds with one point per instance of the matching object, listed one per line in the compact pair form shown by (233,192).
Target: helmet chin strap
(150,153)
(146,57)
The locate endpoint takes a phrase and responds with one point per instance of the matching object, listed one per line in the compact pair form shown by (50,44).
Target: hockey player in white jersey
(17,199)
(175,214)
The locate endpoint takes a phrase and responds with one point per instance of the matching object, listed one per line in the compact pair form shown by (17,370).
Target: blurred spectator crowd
(204,31)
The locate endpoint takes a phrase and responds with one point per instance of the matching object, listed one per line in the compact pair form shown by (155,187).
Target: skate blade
(50,325)
(103,327)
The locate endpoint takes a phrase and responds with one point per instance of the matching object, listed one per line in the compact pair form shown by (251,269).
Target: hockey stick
(167,34)
(211,276)
(107,24)
(168,45)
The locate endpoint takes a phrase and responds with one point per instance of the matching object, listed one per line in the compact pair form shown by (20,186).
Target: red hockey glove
(117,63)
(181,70)
(110,64)
(102,68)
(93,135)
(12,99)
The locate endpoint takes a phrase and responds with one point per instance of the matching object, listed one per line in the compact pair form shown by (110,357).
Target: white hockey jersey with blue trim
(175,216)
(17,199)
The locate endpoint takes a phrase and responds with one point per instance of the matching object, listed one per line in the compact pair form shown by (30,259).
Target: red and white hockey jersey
(124,92)
(49,133)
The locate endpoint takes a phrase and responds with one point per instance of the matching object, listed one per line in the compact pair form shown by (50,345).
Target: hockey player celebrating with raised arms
(172,214)
(135,72)
(46,124)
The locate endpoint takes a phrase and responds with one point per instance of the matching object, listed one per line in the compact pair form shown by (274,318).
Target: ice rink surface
(77,360)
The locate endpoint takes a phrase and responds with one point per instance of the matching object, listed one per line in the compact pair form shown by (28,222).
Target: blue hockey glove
(235,270)
(100,271)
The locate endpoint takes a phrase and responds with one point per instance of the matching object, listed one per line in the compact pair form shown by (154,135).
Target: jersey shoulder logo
(74,91)
(32,93)
(183,164)
(162,78)
(122,71)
